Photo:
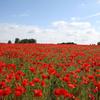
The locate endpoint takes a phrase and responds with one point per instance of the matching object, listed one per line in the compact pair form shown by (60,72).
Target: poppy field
(49,72)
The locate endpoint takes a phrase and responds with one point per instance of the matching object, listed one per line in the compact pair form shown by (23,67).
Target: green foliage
(17,40)
(98,43)
(27,41)
(67,43)
(9,42)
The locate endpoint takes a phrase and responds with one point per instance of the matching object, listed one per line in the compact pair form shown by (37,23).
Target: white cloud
(21,15)
(98,1)
(94,15)
(59,31)
(86,17)
(74,18)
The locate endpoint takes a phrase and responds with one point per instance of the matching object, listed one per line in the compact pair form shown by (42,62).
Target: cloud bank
(98,1)
(57,32)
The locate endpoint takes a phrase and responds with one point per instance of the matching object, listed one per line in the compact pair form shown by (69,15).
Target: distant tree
(9,42)
(67,43)
(98,43)
(23,41)
(17,40)
(70,43)
(32,41)
(28,41)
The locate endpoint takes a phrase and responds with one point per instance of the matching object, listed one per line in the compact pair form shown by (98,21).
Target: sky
(50,21)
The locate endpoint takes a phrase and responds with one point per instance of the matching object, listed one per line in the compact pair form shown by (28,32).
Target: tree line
(17,40)
(98,43)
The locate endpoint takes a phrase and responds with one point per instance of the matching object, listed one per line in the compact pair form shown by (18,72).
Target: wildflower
(36,80)
(25,82)
(32,83)
(37,93)
(71,85)
(7,91)
(44,76)
(59,91)
(1,92)
(32,69)
(43,83)
(19,90)
(51,71)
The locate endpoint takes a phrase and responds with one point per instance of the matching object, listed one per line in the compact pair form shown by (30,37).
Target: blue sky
(40,15)
(43,12)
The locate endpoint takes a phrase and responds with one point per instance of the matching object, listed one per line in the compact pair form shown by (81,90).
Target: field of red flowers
(49,72)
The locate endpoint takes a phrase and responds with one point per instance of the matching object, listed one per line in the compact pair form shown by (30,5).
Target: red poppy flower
(36,80)
(18,93)
(1,92)
(43,83)
(7,91)
(37,92)
(3,84)
(51,71)
(66,79)
(25,82)
(59,91)
(32,69)
(19,90)
(31,83)
(44,76)
(72,85)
